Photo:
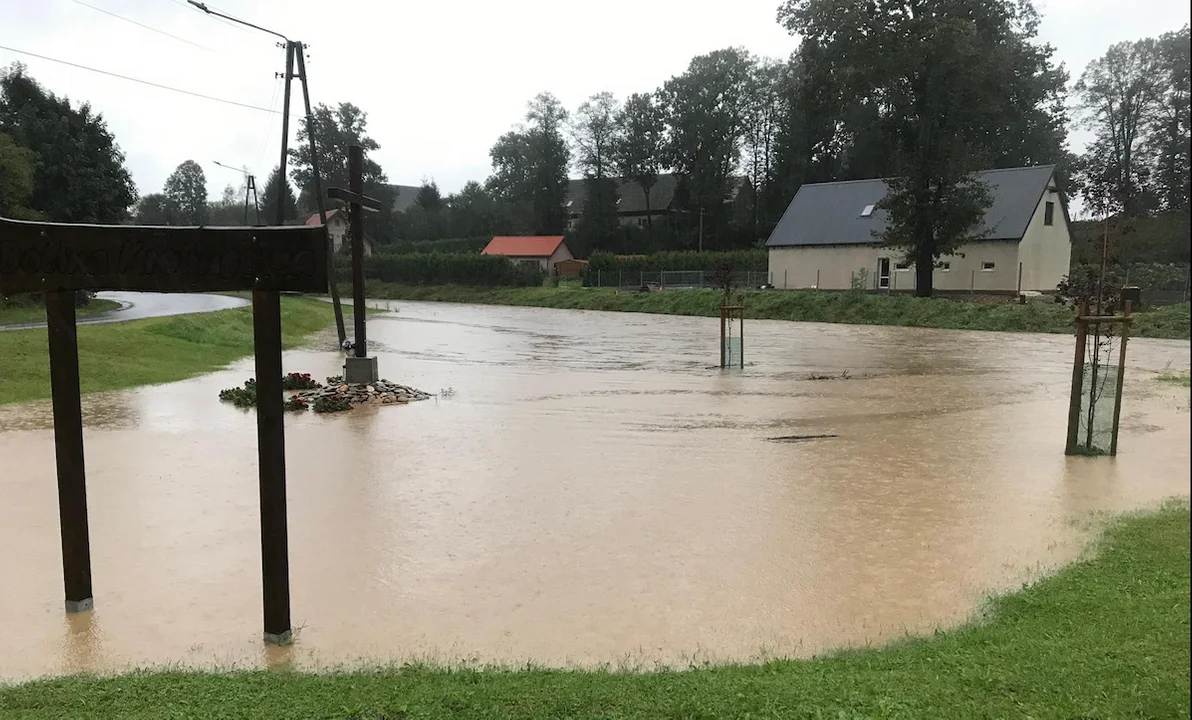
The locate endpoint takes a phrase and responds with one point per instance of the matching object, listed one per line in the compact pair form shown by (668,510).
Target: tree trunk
(924,270)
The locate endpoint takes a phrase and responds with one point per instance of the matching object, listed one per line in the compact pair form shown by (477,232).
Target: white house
(337,231)
(825,239)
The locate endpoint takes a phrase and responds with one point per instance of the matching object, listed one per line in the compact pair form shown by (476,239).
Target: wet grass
(14,311)
(147,352)
(1107,637)
(1176,378)
(834,307)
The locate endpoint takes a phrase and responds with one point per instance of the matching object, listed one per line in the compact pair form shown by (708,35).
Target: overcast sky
(440,81)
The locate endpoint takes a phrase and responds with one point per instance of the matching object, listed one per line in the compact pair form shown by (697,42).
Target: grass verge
(25,312)
(1176,378)
(1107,637)
(836,307)
(147,352)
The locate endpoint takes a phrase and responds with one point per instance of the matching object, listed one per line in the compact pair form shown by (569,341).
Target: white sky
(439,80)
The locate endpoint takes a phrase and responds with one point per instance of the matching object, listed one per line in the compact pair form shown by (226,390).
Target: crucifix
(58,259)
(359,368)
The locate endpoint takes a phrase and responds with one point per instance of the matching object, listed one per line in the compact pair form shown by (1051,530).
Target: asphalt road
(141,305)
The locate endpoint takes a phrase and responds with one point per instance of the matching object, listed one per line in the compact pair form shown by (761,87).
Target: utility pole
(294,54)
(250,188)
(701,228)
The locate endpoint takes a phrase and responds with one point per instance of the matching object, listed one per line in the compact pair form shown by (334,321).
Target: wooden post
(356,216)
(1121,379)
(722,358)
(68,449)
(742,333)
(271,451)
(1077,381)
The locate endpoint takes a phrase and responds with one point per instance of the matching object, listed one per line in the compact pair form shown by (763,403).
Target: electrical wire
(145,82)
(277,83)
(142,25)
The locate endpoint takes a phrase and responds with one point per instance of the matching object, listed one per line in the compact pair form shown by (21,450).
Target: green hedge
(445,269)
(445,245)
(755,260)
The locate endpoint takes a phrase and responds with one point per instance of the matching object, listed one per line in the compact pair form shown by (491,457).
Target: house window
(642,222)
(867,211)
(1049,213)
(903,267)
(986,267)
(945,267)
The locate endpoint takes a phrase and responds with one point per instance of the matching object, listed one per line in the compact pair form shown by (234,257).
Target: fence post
(1020,278)
(817,287)
(972,282)
(1077,390)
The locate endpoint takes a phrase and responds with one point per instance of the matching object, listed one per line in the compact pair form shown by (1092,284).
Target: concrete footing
(360,370)
(78,606)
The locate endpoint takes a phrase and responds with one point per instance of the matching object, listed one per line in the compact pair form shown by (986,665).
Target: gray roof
(633,200)
(407,195)
(830,213)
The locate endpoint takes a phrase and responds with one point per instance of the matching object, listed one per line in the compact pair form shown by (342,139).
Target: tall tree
(429,197)
(80,174)
(942,79)
(593,129)
(186,193)
(1170,141)
(530,167)
(762,118)
(153,209)
(705,109)
(278,187)
(16,179)
(336,129)
(1121,95)
(638,145)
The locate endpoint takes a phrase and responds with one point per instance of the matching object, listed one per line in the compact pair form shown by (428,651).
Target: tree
(705,108)
(593,129)
(530,168)
(1170,141)
(762,116)
(335,131)
(229,209)
(277,186)
(429,198)
(80,175)
(186,194)
(1121,96)
(637,145)
(153,209)
(16,179)
(942,82)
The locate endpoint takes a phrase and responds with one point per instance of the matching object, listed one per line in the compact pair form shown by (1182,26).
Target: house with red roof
(337,230)
(543,250)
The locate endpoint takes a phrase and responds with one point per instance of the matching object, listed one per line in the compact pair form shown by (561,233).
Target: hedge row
(1147,276)
(755,260)
(445,269)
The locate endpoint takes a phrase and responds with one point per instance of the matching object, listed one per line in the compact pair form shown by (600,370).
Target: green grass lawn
(23,312)
(146,352)
(838,307)
(1107,637)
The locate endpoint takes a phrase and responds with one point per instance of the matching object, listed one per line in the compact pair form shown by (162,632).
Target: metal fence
(671,279)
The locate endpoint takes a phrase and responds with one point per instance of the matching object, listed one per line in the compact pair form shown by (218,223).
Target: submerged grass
(834,307)
(147,352)
(12,313)
(1107,637)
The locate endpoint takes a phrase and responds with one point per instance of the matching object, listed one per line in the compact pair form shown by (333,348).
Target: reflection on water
(591,493)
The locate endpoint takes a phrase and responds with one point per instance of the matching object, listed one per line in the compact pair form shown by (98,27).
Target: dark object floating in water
(797,438)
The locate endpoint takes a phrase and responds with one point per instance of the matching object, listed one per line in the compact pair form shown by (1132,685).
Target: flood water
(592,492)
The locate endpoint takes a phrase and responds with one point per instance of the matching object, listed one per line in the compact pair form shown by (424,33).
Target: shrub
(295,404)
(245,396)
(448,269)
(331,403)
(299,381)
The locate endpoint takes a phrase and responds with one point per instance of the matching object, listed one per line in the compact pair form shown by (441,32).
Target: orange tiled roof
(524,246)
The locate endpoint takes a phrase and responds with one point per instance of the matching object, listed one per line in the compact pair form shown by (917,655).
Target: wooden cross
(58,259)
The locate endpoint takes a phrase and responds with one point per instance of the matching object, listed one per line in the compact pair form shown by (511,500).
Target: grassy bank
(1107,637)
(146,352)
(25,312)
(838,307)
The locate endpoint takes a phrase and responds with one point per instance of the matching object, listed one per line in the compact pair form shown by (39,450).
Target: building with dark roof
(633,206)
(826,238)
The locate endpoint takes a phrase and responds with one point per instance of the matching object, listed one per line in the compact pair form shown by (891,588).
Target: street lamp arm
(209,11)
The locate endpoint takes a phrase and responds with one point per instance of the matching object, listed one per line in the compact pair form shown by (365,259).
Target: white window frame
(867,211)
(902,267)
(946,266)
(988,266)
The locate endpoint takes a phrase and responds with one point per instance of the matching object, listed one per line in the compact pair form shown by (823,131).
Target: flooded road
(590,492)
(141,305)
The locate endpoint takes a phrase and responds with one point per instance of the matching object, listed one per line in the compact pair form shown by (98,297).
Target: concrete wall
(797,267)
(1046,250)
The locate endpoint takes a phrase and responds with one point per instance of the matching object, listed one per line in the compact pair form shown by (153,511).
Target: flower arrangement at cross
(299,381)
(295,404)
(332,403)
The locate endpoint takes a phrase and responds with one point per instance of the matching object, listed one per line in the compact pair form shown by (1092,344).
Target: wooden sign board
(41,257)
(57,260)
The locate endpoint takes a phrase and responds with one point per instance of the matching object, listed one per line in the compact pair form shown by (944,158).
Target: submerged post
(1077,381)
(1121,378)
(360,368)
(68,449)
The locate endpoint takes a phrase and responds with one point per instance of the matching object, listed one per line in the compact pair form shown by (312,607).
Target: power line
(143,82)
(143,25)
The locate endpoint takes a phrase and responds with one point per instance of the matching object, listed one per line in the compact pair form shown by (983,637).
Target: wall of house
(1046,250)
(561,254)
(835,265)
(337,230)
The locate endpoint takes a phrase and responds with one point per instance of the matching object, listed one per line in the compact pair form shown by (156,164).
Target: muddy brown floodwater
(592,492)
